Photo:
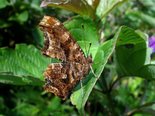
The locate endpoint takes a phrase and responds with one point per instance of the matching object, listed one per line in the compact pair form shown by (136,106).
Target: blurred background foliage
(111,95)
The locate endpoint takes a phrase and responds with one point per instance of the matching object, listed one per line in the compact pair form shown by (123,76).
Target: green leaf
(106,6)
(83,29)
(3,3)
(20,17)
(20,80)
(23,17)
(78,6)
(147,71)
(84,32)
(80,96)
(38,36)
(24,62)
(132,54)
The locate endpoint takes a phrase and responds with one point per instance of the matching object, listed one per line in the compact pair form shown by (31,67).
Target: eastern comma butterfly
(62,77)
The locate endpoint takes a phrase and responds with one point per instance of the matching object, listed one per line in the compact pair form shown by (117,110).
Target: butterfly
(61,78)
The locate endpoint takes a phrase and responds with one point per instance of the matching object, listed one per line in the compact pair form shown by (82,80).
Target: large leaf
(22,66)
(130,52)
(132,55)
(78,6)
(81,94)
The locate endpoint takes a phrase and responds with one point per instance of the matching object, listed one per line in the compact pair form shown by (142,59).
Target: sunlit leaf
(22,17)
(85,33)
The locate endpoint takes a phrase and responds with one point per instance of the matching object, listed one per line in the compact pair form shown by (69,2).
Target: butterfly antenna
(87,49)
(88,52)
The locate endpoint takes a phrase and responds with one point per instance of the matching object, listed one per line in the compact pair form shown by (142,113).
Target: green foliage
(22,63)
(122,61)
(29,100)
(16,20)
(85,32)
(3,3)
(21,18)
